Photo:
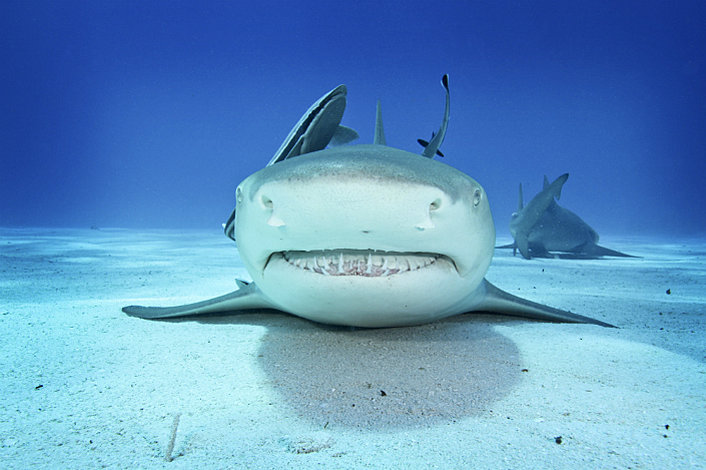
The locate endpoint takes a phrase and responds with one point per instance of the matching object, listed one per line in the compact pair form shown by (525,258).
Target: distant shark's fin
(509,245)
(521,200)
(594,250)
(379,137)
(546,184)
(431,148)
(316,127)
(522,243)
(499,301)
(343,135)
(247,297)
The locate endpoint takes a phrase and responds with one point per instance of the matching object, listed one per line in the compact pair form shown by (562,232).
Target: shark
(544,229)
(362,235)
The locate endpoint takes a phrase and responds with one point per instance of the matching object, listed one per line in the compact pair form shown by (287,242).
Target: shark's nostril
(269,209)
(266,202)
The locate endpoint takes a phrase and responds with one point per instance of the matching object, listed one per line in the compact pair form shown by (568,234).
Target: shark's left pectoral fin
(509,245)
(247,297)
(499,301)
(523,245)
(598,251)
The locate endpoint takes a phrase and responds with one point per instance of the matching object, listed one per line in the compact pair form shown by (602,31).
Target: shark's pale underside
(362,235)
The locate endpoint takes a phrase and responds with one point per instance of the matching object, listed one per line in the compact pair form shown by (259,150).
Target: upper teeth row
(358,263)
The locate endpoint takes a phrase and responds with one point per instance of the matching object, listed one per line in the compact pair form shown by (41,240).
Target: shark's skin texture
(362,235)
(544,229)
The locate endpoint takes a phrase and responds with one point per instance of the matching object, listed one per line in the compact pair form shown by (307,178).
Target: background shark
(545,229)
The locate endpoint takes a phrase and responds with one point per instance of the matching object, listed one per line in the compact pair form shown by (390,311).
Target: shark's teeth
(358,262)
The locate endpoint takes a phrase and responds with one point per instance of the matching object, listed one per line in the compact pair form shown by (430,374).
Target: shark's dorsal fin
(316,127)
(521,200)
(546,185)
(431,149)
(563,177)
(379,138)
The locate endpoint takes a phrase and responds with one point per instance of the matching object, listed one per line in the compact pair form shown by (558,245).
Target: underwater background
(148,114)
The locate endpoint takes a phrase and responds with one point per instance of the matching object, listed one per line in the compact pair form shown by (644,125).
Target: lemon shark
(362,235)
(544,229)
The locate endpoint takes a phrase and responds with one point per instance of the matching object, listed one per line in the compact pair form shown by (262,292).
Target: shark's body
(544,229)
(362,235)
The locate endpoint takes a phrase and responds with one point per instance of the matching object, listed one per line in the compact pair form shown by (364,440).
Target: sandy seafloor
(85,386)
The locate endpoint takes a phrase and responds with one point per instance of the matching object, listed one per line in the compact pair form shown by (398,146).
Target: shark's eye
(477,196)
(435,205)
(238,195)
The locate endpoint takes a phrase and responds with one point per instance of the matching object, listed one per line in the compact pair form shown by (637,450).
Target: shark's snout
(282,210)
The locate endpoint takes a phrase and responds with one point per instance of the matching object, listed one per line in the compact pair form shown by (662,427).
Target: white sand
(85,386)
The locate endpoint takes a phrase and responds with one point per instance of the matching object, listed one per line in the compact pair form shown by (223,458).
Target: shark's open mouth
(361,262)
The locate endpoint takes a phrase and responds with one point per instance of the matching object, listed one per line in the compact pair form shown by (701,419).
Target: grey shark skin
(362,235)
(527,217)
(544,229)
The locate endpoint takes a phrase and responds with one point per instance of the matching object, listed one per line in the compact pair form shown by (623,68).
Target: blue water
(148,114)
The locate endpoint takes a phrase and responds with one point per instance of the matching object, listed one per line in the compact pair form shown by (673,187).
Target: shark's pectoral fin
(597,250)
(509,245)
(512,245)
(499,301)
(247,297)
(523,245)
(540,251)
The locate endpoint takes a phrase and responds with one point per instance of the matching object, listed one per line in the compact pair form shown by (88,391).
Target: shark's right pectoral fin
(523,245)
(498,301)
(247,297)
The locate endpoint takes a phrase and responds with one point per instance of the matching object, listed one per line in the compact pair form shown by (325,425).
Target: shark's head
(345,228)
